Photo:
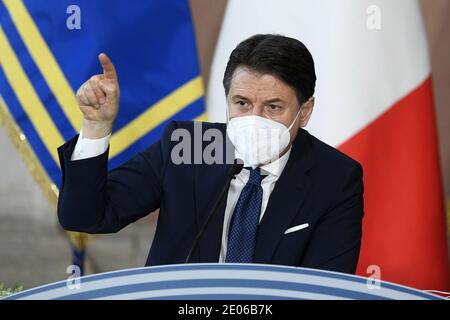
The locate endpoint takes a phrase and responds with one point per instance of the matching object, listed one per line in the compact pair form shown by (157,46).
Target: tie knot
(255,176)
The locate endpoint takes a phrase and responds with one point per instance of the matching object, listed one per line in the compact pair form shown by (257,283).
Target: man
(297,201)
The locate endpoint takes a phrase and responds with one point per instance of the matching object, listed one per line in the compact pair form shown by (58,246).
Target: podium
(222,281)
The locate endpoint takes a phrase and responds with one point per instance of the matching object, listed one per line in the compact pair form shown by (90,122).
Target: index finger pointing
(109,71)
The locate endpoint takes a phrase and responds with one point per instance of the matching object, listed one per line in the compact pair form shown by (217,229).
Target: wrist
(96,129)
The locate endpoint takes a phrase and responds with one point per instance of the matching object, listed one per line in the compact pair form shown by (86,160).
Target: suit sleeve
(336,241)
(91,200)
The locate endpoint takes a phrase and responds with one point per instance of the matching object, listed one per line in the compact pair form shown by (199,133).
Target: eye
(241,102)
(274,107)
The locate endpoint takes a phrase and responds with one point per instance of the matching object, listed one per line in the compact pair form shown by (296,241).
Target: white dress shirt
(88,148)
(273,171)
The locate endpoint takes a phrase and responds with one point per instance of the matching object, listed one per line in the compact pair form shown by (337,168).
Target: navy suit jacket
(319,186)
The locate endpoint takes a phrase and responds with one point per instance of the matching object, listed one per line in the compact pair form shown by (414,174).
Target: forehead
(252,84)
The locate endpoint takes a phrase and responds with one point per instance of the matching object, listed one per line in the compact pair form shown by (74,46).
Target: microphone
(234,169)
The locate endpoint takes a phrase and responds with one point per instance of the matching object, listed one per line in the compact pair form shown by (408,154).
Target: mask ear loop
(292,124)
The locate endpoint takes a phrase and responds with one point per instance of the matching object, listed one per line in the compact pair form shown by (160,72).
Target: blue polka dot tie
(245,220)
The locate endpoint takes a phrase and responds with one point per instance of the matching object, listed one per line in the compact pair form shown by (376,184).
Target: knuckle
(108,89)
(94,78)
(98,89)
(80,92)
(90,94)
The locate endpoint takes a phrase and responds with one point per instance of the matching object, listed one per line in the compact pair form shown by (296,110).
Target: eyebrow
(238,96)
(275,100)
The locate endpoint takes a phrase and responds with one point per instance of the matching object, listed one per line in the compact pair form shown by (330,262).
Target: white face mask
(258,140)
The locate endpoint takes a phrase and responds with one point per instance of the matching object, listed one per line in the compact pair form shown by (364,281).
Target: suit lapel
(286,199)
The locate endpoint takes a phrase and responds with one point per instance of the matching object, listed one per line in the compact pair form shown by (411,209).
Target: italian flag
(374,102)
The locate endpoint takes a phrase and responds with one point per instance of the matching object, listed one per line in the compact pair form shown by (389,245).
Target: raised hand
(98,100)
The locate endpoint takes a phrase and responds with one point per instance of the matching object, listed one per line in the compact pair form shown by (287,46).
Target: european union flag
(49,48)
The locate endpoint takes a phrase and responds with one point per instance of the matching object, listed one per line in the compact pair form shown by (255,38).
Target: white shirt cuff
(89,148)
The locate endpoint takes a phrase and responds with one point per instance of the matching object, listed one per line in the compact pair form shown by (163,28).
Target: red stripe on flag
(404,225)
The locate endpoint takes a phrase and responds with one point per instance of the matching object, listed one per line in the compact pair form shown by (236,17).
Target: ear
(305,112)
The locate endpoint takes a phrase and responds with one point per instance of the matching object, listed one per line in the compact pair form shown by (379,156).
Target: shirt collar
(274,168)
